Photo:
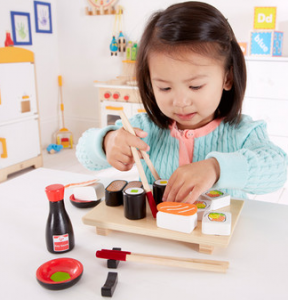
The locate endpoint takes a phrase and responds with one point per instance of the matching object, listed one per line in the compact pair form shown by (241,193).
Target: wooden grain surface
(112,218)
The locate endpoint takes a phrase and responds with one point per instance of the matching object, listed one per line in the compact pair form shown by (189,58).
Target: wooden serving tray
(106,218)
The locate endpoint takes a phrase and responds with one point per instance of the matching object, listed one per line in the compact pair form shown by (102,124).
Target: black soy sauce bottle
(59,230)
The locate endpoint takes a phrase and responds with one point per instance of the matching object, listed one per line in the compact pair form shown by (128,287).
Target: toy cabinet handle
(113,108)
(4,154)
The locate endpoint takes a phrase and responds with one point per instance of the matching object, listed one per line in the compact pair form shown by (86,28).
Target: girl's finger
(140,133)
(122,167)
(193,195)
(172,196)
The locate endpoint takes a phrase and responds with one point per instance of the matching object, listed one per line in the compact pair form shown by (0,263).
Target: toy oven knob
(107,95)
(116,96)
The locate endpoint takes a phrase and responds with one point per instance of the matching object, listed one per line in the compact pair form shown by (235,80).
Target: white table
(258,252)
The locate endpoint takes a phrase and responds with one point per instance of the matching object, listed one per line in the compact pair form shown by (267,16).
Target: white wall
(78,49)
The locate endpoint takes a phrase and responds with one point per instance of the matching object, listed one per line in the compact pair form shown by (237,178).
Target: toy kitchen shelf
(19,118)
(266,96)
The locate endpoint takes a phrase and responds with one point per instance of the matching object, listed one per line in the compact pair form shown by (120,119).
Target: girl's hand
(117,147)
(188,182)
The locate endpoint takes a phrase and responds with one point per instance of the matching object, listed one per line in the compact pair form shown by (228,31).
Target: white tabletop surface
(258,251)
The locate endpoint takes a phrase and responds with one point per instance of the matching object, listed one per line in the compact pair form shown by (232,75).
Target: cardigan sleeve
(89,150)
(258,167)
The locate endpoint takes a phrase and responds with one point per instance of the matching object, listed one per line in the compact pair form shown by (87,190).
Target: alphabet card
(266,43)
(264,17)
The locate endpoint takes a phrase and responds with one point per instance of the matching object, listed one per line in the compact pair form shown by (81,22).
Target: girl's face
(188,87)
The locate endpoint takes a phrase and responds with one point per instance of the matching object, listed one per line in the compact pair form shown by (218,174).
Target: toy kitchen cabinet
(114,98)
(266,95)
(20,145)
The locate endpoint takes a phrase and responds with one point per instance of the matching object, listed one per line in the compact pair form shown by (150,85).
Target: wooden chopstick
(196,264)
(188,263)
(129,128)
(224,264)
(142,175)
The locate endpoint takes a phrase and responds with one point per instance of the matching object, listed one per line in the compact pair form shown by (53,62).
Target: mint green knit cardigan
(249,162)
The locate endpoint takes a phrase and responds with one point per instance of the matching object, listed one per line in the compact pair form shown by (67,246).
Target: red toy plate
(59,273)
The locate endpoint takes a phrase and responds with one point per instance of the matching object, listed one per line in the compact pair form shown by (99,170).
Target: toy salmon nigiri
(177,216)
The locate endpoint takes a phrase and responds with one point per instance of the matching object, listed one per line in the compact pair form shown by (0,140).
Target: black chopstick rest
(108,288)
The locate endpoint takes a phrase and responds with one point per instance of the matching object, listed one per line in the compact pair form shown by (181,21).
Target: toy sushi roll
(216,223)
(158,189)
(113,193)
(218,199)
(135,183)
(202,206)
(134,200)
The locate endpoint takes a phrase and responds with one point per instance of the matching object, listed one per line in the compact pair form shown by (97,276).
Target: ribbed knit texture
(249,162)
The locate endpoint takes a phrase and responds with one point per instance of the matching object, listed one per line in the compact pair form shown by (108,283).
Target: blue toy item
(266,43)
(113,46)
(121,42)
(53,148)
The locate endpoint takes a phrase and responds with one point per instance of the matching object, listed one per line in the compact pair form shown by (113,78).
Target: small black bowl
(83,204)
(59,273)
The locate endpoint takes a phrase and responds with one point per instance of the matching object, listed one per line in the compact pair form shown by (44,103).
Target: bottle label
(61,242)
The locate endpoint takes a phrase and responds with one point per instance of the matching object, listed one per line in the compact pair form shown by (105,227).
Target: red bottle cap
(55,192)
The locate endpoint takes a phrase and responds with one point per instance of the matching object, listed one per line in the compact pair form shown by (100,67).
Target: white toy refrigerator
(20,145)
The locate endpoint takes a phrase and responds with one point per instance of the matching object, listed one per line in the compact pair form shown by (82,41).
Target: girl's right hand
(117,146)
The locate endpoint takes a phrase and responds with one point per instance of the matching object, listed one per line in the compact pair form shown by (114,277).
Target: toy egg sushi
(134,200)
(158,190)
(218,198)
(113,193)
(216,223)
(177,216)
(87,196)
(202,206)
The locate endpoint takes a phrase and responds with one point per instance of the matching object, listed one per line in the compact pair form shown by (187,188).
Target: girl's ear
(228,80)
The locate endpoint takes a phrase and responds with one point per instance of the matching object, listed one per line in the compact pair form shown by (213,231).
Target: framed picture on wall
(43,18)
(21,28)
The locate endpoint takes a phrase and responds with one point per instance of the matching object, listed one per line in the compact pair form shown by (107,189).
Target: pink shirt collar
(202,131)
(186,139)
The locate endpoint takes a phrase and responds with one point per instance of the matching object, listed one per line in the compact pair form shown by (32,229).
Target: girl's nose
(181,99)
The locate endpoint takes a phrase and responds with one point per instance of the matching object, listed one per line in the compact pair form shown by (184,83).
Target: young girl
(191,76)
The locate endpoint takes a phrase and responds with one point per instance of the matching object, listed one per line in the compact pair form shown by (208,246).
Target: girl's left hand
(188,182)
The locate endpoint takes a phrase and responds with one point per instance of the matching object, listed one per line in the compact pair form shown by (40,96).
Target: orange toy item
(176,208)
(63,137)
(177,216)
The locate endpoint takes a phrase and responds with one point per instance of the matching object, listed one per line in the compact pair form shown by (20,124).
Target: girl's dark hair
(201,28)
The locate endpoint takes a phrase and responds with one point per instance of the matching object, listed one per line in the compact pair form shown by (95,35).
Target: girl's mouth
(185,117)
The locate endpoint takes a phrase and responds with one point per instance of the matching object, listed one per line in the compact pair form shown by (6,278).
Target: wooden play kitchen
(107,219)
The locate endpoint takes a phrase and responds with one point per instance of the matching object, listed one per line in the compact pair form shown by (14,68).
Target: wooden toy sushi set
(200,223)
(215,229)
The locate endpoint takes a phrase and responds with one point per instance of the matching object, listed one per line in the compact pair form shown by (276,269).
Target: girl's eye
(195,88)
(165,89)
